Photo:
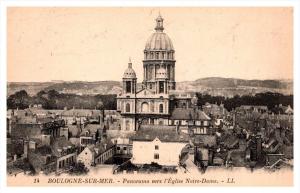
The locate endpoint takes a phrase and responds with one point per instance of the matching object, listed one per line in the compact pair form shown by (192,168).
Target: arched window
(161,108)
(128,86)
(145,107)
(160,122)
(127,108)
(127,125)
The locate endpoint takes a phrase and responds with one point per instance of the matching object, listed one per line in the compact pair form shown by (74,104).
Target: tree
(79,169)
(19,100)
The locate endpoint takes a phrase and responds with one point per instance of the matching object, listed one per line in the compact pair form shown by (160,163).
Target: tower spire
(129,63)
(159,23)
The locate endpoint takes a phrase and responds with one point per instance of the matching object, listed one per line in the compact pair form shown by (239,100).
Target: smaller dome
(129,72)
(161,73)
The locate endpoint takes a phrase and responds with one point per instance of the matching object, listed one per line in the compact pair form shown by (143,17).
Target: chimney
(32,145)
(15,157)
(45,139)
(59,150)
(177,128)
(26,146)
(96,150)
(105,146)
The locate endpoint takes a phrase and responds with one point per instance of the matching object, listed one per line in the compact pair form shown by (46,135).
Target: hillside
(213,85)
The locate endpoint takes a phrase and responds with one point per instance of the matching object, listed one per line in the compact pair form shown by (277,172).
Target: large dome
(159,41)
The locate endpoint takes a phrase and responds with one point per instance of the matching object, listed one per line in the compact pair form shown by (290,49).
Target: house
(194,119)
(252,108)
(65,152)
(97,153)
(203,149)
(163,146)
(90,134)
(34,127)
(217,111)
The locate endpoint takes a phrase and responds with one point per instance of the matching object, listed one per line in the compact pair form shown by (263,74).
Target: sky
(94,44)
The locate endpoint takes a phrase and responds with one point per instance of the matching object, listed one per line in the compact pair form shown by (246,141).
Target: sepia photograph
(150,96)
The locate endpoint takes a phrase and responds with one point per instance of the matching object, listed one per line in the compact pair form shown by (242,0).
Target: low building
(162,146)
(97,153)
(79,116)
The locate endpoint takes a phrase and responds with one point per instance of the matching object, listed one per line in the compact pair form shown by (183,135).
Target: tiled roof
(81,112)
(37,110)
(43,150)
(206,140)
(74,130)
(36,161)
(188,114)
(91,128)
(164,135)
(60,143)
(101,147)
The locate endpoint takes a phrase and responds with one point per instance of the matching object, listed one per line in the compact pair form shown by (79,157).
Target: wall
(86,157)
(168,152)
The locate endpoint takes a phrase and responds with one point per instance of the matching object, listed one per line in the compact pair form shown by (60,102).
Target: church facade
(154,103)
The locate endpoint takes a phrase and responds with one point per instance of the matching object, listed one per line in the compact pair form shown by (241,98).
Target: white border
(146,3)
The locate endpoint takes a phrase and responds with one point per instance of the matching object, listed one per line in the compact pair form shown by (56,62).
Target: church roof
(129,72)
(159,40)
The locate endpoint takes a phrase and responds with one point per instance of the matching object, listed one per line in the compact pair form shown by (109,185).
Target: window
(160,122)
(157,55)
(161,87)
(127,123)
(127,109)
(151,121)
(156,156)
(124,148)
(118,148)
(156,147)
(128,86)
(161,108)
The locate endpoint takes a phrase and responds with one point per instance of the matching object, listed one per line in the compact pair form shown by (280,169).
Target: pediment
(144,93)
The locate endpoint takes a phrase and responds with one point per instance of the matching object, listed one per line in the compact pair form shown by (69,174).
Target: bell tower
(129,80)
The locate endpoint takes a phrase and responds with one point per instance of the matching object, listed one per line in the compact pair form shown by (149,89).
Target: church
(157,100)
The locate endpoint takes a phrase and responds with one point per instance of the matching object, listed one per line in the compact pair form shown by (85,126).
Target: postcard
(150,96)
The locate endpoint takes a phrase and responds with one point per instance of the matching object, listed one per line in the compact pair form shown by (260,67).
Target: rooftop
(188,114)
(164,135)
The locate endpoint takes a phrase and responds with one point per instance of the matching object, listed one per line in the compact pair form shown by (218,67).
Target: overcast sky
(94,44)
